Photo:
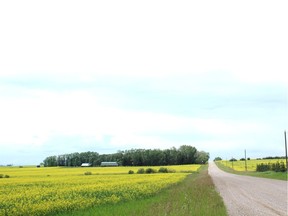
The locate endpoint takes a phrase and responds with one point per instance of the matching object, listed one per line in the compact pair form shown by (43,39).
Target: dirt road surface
(245,195)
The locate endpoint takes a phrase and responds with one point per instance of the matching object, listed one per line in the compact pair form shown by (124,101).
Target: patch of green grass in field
(267,174)
(196,195)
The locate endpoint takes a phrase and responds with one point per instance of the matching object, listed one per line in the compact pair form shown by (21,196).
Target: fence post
(286,150)
(245,162)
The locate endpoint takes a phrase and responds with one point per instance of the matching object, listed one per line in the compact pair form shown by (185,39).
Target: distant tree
(275,157)
(137,157)
(169,156)
(218,159)
(185,154)
(50,161)
(233,159)
(127,158)
(202,157)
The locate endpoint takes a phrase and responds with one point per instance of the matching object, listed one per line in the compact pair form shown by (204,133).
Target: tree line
(185,154)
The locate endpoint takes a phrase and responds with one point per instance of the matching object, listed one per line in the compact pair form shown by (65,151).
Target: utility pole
(232,163)
(245,161)
(286,150)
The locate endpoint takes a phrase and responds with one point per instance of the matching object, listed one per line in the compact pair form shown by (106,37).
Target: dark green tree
(202,157)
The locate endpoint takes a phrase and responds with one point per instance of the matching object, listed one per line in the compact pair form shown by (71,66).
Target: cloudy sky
(114,75)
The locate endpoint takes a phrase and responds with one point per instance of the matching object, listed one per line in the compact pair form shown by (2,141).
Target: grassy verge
(196,195)
(267,174)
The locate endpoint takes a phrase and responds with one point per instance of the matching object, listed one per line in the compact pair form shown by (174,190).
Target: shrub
(130,172)
(263,167)
(276,167)
(163,170)
(88,173)
(141,171)
(282,167)
(279,167)
(150,170)
(4,176)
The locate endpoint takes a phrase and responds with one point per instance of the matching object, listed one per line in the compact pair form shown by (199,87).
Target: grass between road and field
(267,174)
(195,195)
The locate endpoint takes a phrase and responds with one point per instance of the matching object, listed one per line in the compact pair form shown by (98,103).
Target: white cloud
(155,38)
(37,117)
(180,48)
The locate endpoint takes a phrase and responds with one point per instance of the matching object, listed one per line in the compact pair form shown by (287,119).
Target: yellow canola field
(251,164)
(43,191)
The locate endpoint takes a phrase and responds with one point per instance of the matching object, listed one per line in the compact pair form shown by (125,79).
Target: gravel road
(245,195)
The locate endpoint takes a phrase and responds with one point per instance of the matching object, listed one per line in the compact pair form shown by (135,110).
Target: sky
(104,76)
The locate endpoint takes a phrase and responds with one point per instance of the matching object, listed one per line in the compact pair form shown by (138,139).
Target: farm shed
(85,165)
(109,164)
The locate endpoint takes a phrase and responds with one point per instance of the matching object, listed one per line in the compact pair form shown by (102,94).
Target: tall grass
(196,195)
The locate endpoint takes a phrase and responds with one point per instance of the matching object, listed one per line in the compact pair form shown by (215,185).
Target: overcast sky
(105,76)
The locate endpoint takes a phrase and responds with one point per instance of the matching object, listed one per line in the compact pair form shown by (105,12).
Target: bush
(276,167)
(263,167)
(141,171)
(88,173)
(4,176)
(130,172)
(150,170)
(282,167)
(279,167)
(163,170)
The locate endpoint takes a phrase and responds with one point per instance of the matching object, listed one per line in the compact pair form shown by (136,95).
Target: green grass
(267,174)
(196,195)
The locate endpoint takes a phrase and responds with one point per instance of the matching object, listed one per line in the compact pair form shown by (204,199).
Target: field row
(251,164)
(47,191)
(16,172)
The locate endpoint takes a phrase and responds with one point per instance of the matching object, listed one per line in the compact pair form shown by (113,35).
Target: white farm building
(109,164)
(86,165)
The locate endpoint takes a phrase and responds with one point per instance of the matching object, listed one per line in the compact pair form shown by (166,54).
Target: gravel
(245,195)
